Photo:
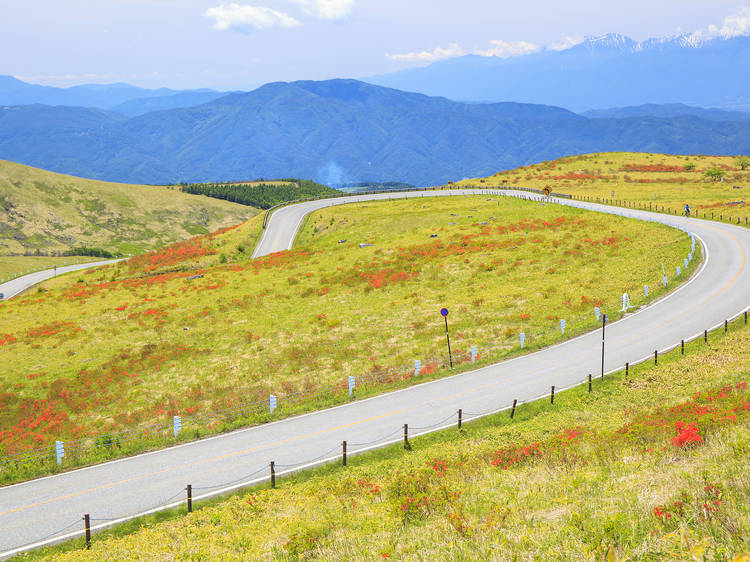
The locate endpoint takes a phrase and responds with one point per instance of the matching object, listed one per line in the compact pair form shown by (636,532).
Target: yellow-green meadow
(200,326)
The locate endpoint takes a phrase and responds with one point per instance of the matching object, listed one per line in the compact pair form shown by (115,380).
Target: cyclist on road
(687,210)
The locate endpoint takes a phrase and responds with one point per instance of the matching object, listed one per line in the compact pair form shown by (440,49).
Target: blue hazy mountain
(127,99)
(608,71)
(336,132)
(667,111)
(139,106)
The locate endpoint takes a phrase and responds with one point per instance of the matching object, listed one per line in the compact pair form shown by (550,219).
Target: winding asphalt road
(36,512)
(14,287)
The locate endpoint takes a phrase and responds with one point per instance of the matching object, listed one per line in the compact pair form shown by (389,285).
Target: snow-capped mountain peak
(610,41)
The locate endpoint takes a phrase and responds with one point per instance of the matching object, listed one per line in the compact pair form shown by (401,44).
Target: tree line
(261,195)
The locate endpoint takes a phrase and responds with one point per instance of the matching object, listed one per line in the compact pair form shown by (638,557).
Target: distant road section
(17,286)
(285,222)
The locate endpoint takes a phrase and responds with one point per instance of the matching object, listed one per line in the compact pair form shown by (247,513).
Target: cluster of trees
(86,251)
(261,195)
(77,251)
(716,174)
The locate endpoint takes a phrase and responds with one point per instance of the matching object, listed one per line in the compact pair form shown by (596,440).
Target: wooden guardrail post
(87,527)
(190,498)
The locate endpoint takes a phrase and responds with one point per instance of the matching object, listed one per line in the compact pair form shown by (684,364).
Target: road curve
(17,286)
(34,512)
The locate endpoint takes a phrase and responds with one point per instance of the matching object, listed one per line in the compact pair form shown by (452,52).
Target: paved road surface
(31,511)
(16,286)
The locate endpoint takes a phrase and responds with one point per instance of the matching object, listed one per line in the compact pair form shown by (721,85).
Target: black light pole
(604,323)
(444,312)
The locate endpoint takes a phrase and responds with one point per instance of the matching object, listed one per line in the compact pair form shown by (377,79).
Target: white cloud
(438,53)
(505,49)
(497,48)
(243,16)
(565,43)
(327,9)
(735,25)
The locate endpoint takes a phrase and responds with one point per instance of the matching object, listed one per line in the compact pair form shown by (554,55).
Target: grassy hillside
(11,266)
(50,212)
(655,180)
(199,326)
(651,467)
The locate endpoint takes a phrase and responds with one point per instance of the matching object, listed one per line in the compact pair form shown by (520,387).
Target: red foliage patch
(171,255)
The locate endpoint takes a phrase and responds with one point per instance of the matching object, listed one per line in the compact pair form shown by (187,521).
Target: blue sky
(242,44)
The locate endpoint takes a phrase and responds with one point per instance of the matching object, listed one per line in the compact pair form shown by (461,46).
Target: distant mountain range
(668,111)
(607,71)
(336,132)
(124,98)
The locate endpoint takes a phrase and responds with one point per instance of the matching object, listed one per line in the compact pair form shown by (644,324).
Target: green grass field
(294,321)
(50,212)
(21,265)
(662,180)
(649,467)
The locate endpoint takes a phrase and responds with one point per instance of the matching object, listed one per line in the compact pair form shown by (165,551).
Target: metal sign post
(604,323)
(444,313)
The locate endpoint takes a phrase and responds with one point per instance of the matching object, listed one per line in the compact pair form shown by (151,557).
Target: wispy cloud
(565,43)
(244,17)
(497,48)
(453,50)
(327,9)
(505,49)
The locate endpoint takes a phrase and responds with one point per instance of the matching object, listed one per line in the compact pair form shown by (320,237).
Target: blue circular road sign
(444,312)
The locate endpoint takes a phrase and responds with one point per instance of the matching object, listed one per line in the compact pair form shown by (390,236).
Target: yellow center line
(214,459)
(305,436)
(74,494)
(278,233)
